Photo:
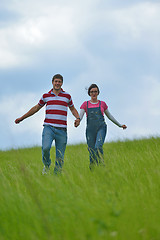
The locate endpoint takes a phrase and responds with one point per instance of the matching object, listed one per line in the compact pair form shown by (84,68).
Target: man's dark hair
(93,86)
(59,76)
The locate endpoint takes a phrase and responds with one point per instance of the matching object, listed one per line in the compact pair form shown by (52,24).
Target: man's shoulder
(47,94)
(65,94)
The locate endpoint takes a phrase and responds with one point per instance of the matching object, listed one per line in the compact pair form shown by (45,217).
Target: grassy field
(119,201)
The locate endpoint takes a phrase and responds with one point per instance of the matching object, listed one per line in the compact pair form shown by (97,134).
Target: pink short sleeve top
(93,105)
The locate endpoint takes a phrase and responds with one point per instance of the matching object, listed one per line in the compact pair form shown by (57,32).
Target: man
(57,102)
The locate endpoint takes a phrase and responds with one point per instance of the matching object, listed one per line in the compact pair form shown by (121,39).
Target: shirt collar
(51,91)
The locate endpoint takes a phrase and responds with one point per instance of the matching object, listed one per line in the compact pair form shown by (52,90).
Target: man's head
(57,82)
(57,76)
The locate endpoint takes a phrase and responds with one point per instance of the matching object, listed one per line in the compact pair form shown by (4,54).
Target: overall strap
(87,107)
(87,104)
(100,104)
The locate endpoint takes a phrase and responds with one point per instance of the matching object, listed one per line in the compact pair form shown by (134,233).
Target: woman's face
(94,93)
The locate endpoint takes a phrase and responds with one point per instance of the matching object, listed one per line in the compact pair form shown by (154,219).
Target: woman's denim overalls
(95,134)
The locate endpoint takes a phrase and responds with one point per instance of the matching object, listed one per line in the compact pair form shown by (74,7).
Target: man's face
(57,84)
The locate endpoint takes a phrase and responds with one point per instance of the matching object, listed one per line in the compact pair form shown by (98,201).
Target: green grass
(120,201)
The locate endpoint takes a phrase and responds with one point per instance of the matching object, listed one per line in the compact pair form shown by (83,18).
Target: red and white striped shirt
(56,108)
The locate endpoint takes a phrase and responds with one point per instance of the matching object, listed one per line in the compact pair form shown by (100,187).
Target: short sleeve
(70,103)
(84,106)
(105,106)
(42,101)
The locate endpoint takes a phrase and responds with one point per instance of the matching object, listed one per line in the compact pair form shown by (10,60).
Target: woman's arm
(81,114)
(109,115)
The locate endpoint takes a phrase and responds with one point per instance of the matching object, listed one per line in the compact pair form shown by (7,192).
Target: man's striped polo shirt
(56,108)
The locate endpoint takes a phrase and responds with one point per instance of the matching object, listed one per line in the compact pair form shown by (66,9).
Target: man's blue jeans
(60,136)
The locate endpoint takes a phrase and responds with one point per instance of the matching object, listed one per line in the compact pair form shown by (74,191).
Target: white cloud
(53,30)
(151,96)
(60,27)
(17,43)
(142,109)
(14,135)
(138,24)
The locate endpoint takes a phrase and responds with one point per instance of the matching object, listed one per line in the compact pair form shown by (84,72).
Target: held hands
(77,122)
(124,127)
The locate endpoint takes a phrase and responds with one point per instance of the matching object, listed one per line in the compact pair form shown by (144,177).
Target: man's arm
(32,111)
(76,114)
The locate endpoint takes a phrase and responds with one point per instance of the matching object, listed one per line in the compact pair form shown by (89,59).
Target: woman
(96,126)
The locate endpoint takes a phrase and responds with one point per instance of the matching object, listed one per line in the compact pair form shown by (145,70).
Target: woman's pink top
(92,105)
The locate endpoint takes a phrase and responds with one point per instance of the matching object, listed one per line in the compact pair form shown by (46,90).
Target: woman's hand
(124,127)
(77,122)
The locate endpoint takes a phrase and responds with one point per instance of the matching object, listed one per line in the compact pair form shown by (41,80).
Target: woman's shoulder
(104,104)
(102,101)
(84,104)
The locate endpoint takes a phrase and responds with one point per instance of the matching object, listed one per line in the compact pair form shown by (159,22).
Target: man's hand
(75,114)
(18,120)
(124,127)
(77,122)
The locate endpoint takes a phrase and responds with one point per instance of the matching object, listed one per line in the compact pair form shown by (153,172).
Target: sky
(115,44)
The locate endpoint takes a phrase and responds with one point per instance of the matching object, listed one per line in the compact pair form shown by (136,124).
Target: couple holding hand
(57,102)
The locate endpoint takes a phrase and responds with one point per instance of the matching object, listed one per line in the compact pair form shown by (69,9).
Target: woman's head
(93,89)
